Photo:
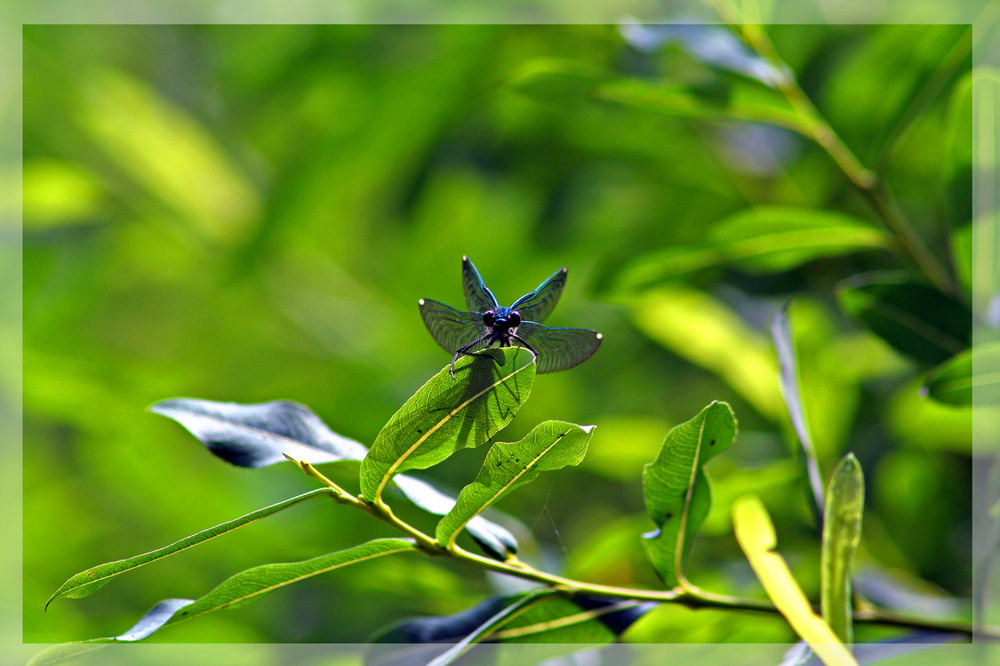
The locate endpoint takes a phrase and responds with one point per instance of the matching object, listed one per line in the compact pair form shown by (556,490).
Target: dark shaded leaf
(89,581)
(969,378)
(676,490)
(549,446)
(845,503)
(447,414)
(915,318)
(493,622)
(576,619)
(261,434)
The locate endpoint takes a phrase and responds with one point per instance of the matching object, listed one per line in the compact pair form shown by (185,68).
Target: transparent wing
(537,305)
(559,348)
(477,296)
(451,328)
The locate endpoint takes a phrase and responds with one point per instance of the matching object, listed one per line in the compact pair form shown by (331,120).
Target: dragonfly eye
(514,318)
(489,317)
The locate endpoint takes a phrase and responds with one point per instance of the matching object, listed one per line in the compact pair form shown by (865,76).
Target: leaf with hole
(447,414)
(677,495)
(549,446)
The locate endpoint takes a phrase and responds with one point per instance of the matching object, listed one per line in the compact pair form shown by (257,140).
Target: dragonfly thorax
(502,319)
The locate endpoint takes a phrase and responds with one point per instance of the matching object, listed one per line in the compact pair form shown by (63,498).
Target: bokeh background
(251,213)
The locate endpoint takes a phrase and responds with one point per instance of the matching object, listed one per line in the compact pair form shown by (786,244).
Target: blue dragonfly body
(466,333)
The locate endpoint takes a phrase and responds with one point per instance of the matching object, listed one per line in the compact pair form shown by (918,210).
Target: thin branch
(690,596)
(865,181)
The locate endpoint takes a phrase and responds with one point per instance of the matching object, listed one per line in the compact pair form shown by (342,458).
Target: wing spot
(600,336)
(421,301)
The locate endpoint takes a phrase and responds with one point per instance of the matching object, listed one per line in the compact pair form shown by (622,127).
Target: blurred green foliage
(251,213)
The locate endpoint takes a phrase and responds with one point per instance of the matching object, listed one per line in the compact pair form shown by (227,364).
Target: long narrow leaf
(677,495)
(781,332)
(447,414)
(238,590)
(845,501)
(755,534)
(549,446)
(87,582)
(487,627)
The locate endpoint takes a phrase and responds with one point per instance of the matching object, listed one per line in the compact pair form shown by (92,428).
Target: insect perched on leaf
(465,333)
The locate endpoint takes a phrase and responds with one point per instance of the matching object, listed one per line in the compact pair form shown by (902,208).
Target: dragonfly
(468,332)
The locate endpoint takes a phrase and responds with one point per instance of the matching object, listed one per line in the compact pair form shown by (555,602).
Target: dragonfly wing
(451,328)
(538,304)
(477,296)
(559,348)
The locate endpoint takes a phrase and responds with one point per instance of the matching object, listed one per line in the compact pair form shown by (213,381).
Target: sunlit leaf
(497,541)
(756,537)
(87,582)
(549,446)
(915,318)
(704,331)
(165,149)
(970,378)
(58,193)
(677,495)
(447,414)
(845,501)
(764,239)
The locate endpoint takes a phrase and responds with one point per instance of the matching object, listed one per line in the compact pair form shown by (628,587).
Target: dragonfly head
(502,319)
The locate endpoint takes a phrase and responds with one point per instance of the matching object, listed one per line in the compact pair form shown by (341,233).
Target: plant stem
(689,595)
(865,181)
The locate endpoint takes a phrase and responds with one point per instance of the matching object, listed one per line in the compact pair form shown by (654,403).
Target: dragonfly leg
(463,351)
(524,343)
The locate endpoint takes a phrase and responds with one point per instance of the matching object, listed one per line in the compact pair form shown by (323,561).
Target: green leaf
(765,239)
(549,446)
(447,414)
(248,585)
(781,332)
(562,80)
(262,434)
(677,495)
(755,534)
(699,328)
(845,503)
(170,153)
(87,582)
(915,318)
(972,377)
